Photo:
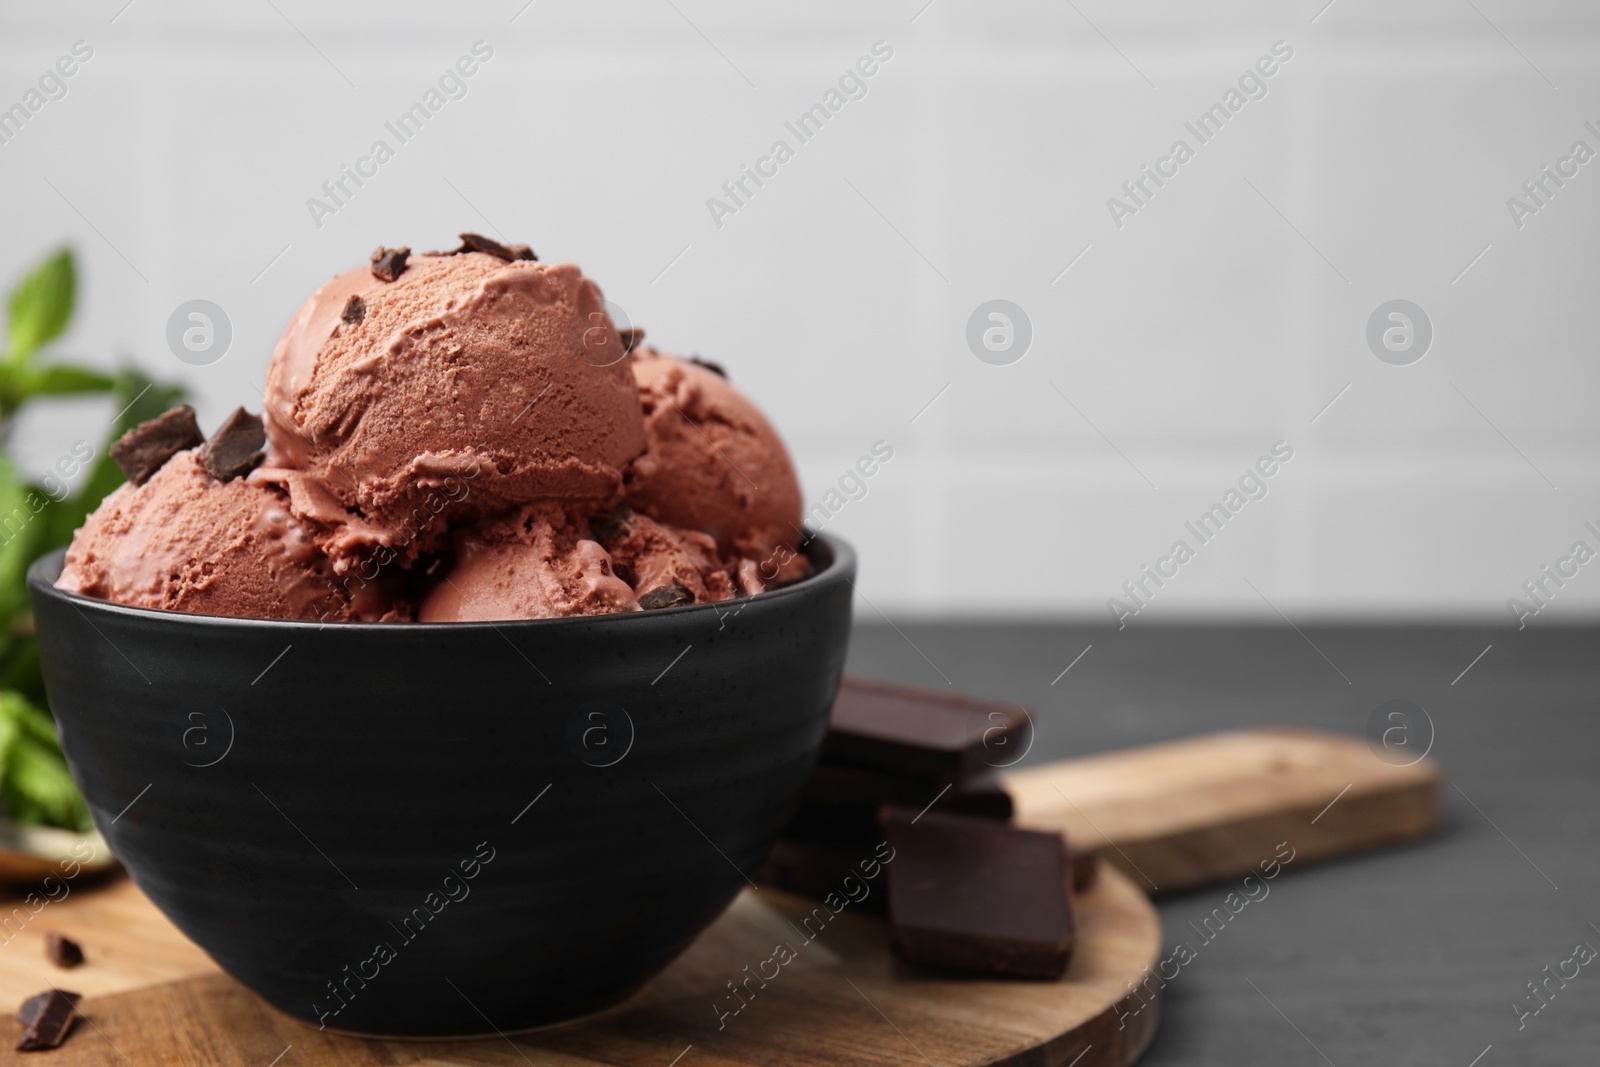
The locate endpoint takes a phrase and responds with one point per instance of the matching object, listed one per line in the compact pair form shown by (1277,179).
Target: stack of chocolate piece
(911,777)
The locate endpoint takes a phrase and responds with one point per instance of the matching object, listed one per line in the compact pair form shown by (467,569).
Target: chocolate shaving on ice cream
(477,242)
(144,449)
(666,596)
(714,368)
(236,447)
(389,263)
(355,309)
(631,338)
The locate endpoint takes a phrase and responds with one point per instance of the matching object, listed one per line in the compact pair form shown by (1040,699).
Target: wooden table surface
(1412,956)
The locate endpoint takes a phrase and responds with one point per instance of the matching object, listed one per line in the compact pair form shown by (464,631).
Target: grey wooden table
(1412,956)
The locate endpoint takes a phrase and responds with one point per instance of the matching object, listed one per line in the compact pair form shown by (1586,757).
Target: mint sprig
(34,783)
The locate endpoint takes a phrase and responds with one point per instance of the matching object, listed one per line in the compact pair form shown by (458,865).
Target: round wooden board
(842,999)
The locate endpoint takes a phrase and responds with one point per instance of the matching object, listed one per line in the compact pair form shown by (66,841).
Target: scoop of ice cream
(493,383)
(712,461)
(539,563)
(184,541)
(668,566)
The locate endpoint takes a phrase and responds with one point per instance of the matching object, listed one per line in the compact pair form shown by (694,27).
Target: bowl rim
(43,572)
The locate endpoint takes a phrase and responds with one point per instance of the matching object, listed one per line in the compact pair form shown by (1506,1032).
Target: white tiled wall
(1219,319)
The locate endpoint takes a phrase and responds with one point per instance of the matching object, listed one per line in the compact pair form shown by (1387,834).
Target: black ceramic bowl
(445,829)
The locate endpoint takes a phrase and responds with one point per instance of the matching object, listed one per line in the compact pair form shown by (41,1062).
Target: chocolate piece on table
(1085,867)
(62,950)
(922,734)
(144,449)
(666,596)
(355,309)
(985,795)
(389,263)
(841,803)
(32,1008)
(817,868)
(477,242)
(974,894)
(46,1018)
(236,446)
(631,337)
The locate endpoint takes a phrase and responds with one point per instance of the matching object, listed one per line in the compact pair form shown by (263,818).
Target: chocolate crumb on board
(714,368)
(631,337)
(389,263)
(236,446)
(61,950)
(666,596)
(355,309)
(144,449)
(46,1019)
(477,242)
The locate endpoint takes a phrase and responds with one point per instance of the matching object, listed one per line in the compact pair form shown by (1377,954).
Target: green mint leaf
(35,785)
(40,306)
(60,379)
(22,530)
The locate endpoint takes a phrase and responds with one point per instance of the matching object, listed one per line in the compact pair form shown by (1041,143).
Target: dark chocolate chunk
(32,1008)
(714,368)
(818,868)
(62,950)
(1085,867)
(840,804)
(49,1018)
(975,894)
(666,596)
(921,734)
(389,263)
(631,337)
(355,309)
(144,449)
(236,446)
(985,795)
(477,242)
(612,526)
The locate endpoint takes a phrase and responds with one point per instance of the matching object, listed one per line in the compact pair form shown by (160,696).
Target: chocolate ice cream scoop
(185,541)
(469,425)
(713,462)
(505,377)
(537,564)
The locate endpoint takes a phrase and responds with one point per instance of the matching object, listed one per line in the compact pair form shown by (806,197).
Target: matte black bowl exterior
(401,829)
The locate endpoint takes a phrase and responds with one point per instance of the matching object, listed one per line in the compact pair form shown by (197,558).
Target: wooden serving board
(1206,809)
(1173,815)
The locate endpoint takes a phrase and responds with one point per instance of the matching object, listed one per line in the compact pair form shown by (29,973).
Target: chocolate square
(919,733)
(842,803)
(1085,867)
(974,894)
